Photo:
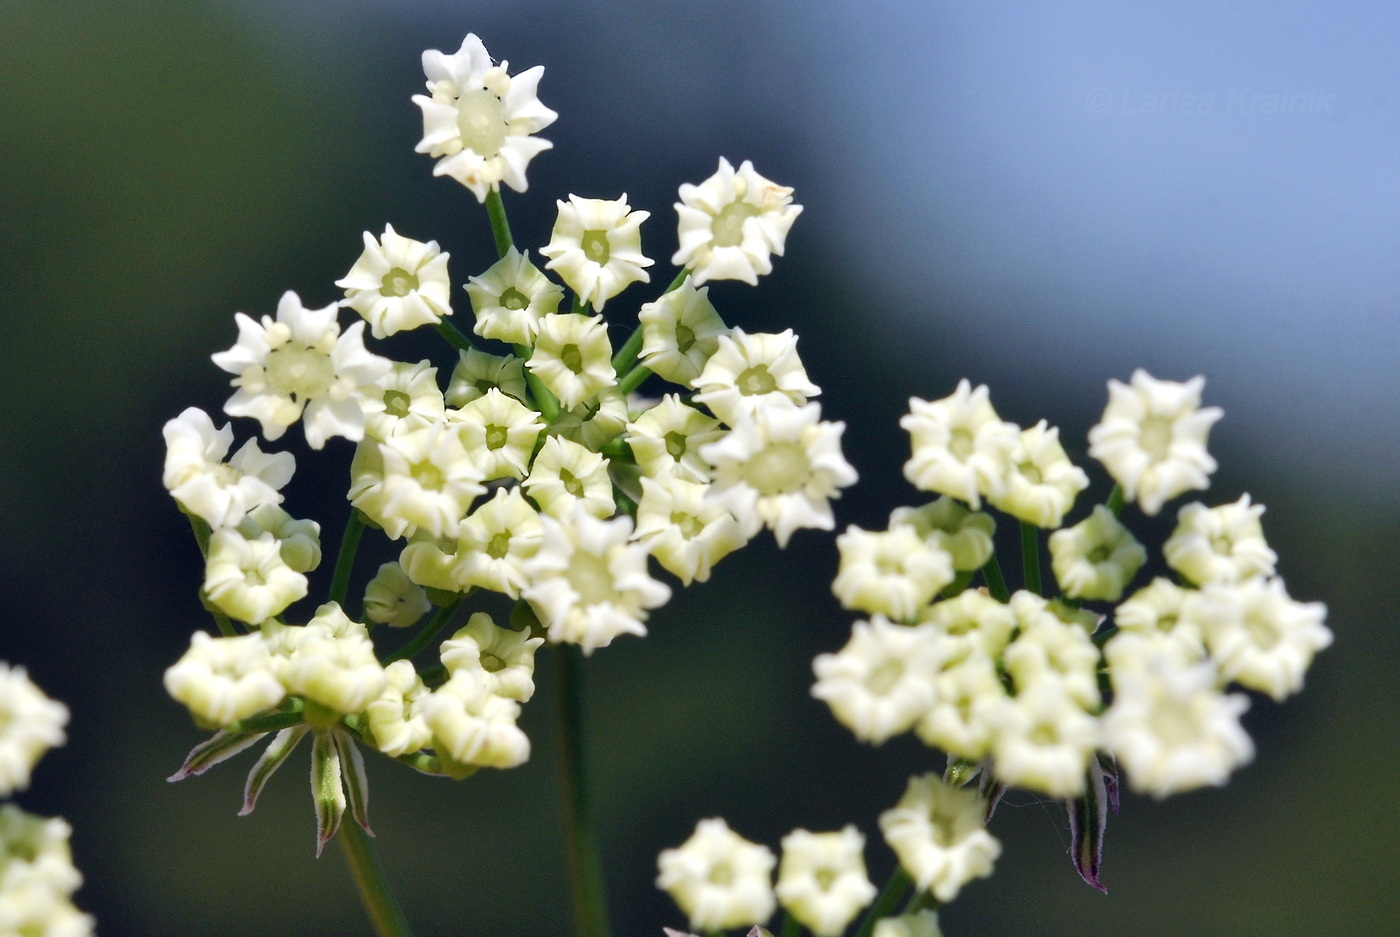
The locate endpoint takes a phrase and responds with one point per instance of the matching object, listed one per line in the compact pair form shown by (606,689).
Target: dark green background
(163,164)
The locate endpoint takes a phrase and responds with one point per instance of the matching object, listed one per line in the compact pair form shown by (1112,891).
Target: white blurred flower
(298,540)
(596,247)
(937,832)
(505,657)
(1222,544)
(480,120)
(37,877)
(1041,483)
(882,681)
(1096,558)
(1044,740)
(331,661)
(971,623)
(1047,648)
(752,373)
(965,535)
(222,680)
(396,723)
(1152,438)
(30,724)
(890,572)
(421,480)
(1162,609)
(731,224)
(960,446)
(919,924)
(822,879)
(718,878)
(1260,637)
(511,297)
(474,726)
(301,366)
(962,719)
(248,579)
(680,331)
(219,492)
(573,356)
(392,599)
(398,284)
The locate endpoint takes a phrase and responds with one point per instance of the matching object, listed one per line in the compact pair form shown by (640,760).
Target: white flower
(919,924)
(1042,483)
(595,422)
(301,366)
(750,373)
(666,439)
(222,680)
(732,223)
(505,657)
(221,493)
(937,832)
(962,720)
(1260,637)
(494,541)
(1172,731)
(396,723)
(882,681)
(596,246)
(1223,544)
(564,473)
(960,446)
(332,662)
(718,878)
(966,535)
(822,879)
(780,470)
(1163,609)
(892,572)
(971,623)
(474,726)
(1152,438)
(499,433)
(1047,648)
(392,599)
(404,399)
(685,532)
(573,356)
(680,331)
(1044,740)
(37,877)
(588,584)
(511,297)
(1096,558)
(398,284)
(248,579)
(480,120)
(420,480)
(298,540)
(30,724)
(477,372)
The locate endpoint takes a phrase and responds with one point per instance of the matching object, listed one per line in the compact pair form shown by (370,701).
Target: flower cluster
(37,877)
(535,470)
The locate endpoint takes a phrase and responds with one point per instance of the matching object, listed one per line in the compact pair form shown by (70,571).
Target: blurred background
(1039,197)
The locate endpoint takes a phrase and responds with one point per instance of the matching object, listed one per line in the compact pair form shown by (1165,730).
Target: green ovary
(398,282)
(513,299)
(755,381)
(596,247)
(481,122)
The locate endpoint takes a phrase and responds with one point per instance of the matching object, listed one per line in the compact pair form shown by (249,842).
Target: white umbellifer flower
(680,331)
(1172,731)
(751,373)
(1047,648)
(666,440)
(505,657)
(248,579)
(780,470)
(596,246)
(1152,438)
(890,572)
(686,533)
(1042,483)
(919,924)
(30,724)
(966,535)
(882,681)
(573,356)
(37,877)
(405,399)
(960,446)
(396,723)
(392,599)
(1162,608)
(332,662)
(301,367)
(718,878)
(962,719)
(595,422)
(428,561)
(494,541)
(732,223)
(1044,740)
(474,726)
(398,284)
(937,832)
(477,372)
(499,433)
(299,540)
(1096,558)
(971,623)
(206,486)
(565,474)
(822,879)
(481,120)
(588,584)
(422,480)
(1223,544)
(511,297)
(1260,637)
(222,680)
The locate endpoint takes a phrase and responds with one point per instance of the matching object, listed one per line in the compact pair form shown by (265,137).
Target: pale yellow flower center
(1155,436)
(513,299)
(595,246)
(495,437)
(481,122)
(591,579)
(756,381)
(675,444)
(499,545)
(781,468)
(398,282)
(396,403)
(1174,722)
(298,371)
(728,226)
(883,678)
(491,663)
(572,358)
(689,524)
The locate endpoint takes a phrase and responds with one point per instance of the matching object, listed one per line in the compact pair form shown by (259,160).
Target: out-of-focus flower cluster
(37,876)
(535,470)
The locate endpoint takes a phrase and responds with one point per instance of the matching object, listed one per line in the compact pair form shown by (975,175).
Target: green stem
(378,898)
(585,860)
(345,559)
(454,336)
(1030,557)
(1115,500)
(791,926)
(633,379)
(426,635)
(202,533)
(544,398)
(894,890)
(500,227)
(996,585)
(628,352)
